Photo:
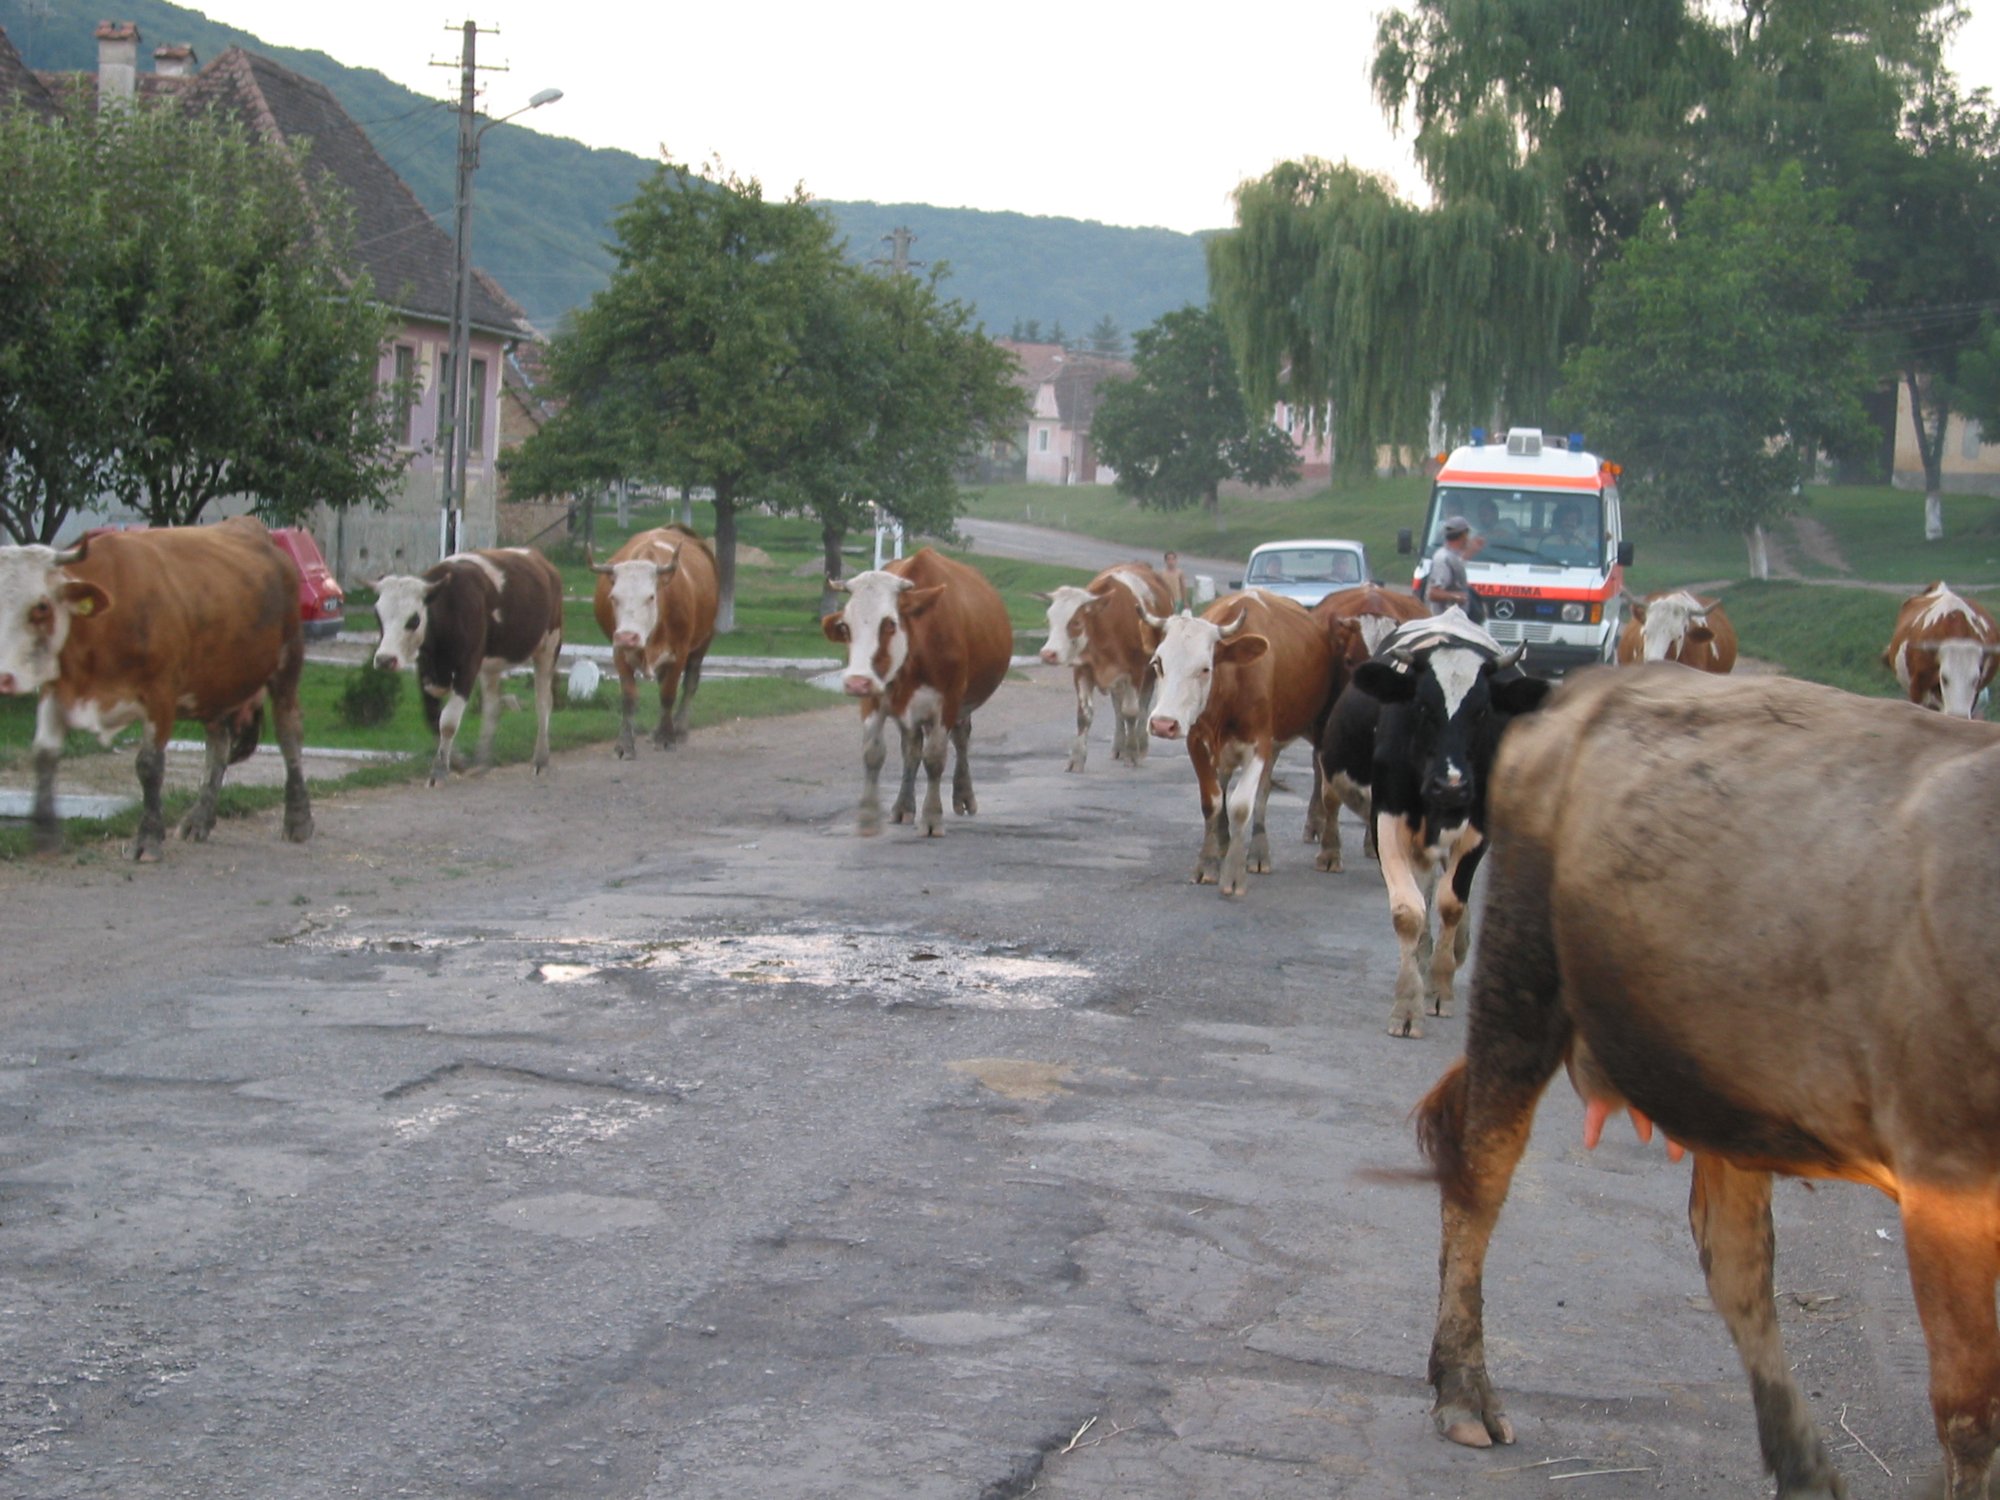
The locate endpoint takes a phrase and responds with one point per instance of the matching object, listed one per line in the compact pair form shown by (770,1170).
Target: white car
(1306,570)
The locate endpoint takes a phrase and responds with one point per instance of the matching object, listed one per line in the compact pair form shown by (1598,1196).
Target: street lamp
(458,413)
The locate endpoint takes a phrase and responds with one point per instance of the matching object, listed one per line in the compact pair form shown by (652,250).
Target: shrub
(370,697)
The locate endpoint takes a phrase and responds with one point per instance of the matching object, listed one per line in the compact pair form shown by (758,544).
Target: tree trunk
(725,558)
(1930,450)
(1760,551)
(831,534)
(1212,503)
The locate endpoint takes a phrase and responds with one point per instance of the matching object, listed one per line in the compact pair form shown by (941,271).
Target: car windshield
(1563,527)
(1305,565)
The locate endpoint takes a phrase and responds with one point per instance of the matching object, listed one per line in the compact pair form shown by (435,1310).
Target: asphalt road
(641,1131)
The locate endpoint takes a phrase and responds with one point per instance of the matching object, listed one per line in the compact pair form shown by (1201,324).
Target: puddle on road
(890,967)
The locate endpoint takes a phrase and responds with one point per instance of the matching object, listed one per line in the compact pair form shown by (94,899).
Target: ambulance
(1549,554)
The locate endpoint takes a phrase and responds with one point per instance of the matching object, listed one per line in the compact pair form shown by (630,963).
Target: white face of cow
(1962,670)
(1063,649)
(404,612)
(1667,622)
(873,625)
(635,597)
(1184,674)
(37,601)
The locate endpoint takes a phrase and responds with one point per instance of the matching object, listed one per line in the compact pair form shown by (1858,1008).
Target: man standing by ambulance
(1446,584)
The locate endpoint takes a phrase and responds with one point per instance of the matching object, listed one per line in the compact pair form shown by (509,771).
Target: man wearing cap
(1447,584)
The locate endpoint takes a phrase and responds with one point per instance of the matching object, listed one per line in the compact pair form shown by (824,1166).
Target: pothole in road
(892,968)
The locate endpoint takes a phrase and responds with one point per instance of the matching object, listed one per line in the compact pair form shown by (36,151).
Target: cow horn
(73,555)
(590,560)
(838,585)
(1510,658)
(1152,619)
(1242,618)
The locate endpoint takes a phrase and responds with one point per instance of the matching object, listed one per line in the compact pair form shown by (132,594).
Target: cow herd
(1685,911)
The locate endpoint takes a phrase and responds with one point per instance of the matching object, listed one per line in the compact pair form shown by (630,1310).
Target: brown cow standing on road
(1944,651)
(196,622)
(1239,682)
(1676,625)
(467,621)
(928,640)
(656,603)
(1652,923)
(1100,633)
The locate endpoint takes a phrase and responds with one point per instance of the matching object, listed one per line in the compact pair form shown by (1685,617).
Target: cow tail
(1440,1120)
(246,730)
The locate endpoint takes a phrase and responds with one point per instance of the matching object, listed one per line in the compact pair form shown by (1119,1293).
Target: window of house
(1972,439)
(406,383)
(475,424)
(1042,440)
(443,394)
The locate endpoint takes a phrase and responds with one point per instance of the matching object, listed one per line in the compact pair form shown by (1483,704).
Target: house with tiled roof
(19,87)
(1063,388)
(409,259)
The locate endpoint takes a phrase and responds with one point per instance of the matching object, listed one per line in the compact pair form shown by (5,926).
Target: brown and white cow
(1840,1021)
(468,620)
(928,640)
(1239,682)
(1944,650)
(656,602)
(1675,625)
(1375,611)
(197,622)
(1100,632)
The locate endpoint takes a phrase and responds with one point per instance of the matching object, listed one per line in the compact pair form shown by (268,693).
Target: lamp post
(458,413)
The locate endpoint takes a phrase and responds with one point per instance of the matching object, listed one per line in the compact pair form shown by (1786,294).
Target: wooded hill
(543,205)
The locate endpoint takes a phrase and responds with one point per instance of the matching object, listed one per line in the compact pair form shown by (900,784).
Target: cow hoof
(298,831)
(1328,864)
(1471,1430)
(1406,1026)
(1074,764)
(868,828)
(626,750)
(966,806)
(145,854)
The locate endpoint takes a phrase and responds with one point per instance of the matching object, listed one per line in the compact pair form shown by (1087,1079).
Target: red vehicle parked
(322,601)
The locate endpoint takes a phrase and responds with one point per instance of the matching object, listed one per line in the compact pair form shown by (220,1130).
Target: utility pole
(898,261)
(457,418)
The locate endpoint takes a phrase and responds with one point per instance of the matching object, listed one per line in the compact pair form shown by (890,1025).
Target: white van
(1550,554)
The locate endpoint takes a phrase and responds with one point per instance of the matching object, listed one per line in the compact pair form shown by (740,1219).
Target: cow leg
(690,680)
(668,674)
(905,810)
(1239,807)
(874,750)
(490,673)
(962,800)
(545,694)
(1260,838)
(1330,800)
(1407,873)
(448,721)
(622,658)
(1953,1240)
(1130,702)
(1214,812)
(152,767)
(199,820)
(1086,712)
(1454,933)
(51,729)
(1729,1210)
(1473,1127)
(935,737)
(290,725)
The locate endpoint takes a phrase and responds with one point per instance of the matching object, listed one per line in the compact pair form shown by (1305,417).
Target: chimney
(117,62)
(175,60)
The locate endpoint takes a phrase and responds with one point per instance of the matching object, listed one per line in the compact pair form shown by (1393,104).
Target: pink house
(1063,388)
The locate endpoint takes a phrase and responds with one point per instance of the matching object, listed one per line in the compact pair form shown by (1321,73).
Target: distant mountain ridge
(543,206)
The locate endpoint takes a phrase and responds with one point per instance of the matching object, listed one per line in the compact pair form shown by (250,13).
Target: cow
(656,602)
(1651,923)
(1445,693)
(1943,650)
(1239,682)
(928,640)
(468,620)
(150,626)
(1357,621)
(1677,625)
(1100,633)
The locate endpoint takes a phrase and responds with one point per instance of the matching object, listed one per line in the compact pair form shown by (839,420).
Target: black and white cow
(1446,692)
(468,620)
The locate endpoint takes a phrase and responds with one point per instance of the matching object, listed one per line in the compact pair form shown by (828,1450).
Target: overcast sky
(1126,112)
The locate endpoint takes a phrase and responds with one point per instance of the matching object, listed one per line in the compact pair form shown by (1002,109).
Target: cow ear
(914,602)
(1700,633)
(835,627)
(1520,695)
(1241,650)
(83,598)
(434,588)
(1040,598)
(1095,601)
(1639,611)
(1385,681)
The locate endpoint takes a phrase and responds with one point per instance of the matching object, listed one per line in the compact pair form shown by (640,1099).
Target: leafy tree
(1107,338)
(1180,427)
(182,333)
(1057,336)
(1721,364)
(696,360)
(1029,332)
